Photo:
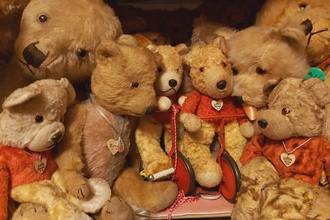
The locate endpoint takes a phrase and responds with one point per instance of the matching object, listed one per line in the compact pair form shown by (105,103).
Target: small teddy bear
(211,76)
(167,86)
(31,125)
(283,165)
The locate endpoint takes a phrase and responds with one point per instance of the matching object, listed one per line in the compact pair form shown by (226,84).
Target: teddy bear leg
(52,197)
(290,199)
(320,208)
(147,137)
(208,173)
(150,196)
(255,176)
(115,209)
(31,211)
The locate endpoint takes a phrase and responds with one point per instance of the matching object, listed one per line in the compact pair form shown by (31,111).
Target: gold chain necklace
(40,164)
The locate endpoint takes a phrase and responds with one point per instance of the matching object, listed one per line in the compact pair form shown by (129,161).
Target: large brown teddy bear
(283,165)
(211,76)
(98,130)
(318,50)
(55,43)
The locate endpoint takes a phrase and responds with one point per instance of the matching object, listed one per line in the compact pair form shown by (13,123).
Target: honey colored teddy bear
(211,76)
(98,137)
(55,43)
(167,86)
(317,11)
(283,165)
(30,127)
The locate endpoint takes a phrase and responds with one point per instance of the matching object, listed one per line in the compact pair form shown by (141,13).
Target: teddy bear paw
(31,211)
(161,164)
(117,209)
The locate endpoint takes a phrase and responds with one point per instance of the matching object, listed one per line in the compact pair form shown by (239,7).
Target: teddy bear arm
(69,156)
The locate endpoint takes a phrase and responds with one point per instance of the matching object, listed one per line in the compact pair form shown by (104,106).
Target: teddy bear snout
(33,56)
(57,137)
(262,123)
(222,84)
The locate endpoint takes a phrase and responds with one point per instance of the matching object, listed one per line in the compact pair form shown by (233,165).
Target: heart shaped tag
(113,146)
(288,159)
(217,104)
(40,165)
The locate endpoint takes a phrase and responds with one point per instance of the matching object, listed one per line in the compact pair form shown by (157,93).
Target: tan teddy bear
(211,77)
(55,43)
(317,11)
(167,85)
(31,125)
(122,85)
(283,165)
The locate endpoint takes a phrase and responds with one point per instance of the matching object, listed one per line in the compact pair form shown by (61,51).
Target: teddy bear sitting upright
(31,125)
(282,166)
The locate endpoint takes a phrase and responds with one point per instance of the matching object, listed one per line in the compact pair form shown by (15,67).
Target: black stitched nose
(221,84)
(57,137)
(172,83)
(262,123)
(150,110)
(33,56)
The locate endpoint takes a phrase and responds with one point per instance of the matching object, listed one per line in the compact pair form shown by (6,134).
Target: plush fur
(318,50)
(123,77)
(211,77)
(261,55)
(167,85)
(31,125)
(55,43)
(270,189)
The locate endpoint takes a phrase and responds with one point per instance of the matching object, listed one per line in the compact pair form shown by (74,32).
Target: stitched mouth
(169,90)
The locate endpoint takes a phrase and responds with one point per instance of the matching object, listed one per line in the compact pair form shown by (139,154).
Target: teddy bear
(211,76)
(31,125)
(10,17)
(318,48)
(283,165)
(51,44)
(167,86)
(122,89)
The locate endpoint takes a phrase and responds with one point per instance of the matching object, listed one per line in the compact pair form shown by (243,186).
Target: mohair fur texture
(31,126)
(318,50)
(149,131)
(122,85)
(211,76)
(10,17)
(261,55)
(55,43)
(282,166)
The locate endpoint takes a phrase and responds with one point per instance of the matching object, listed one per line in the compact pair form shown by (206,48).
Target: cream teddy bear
(31,125)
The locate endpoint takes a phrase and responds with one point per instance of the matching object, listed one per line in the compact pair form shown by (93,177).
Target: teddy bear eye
(302,6)
(159,69)
(235,72)
(267,106)
(285,111)
(224,64)
(135,85)
(201,69)
(260,71)
(43,18)
(82,53)
(39,119)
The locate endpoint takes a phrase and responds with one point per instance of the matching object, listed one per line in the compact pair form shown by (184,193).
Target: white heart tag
(113,146)
(40,165)
(217,104)
(288,159)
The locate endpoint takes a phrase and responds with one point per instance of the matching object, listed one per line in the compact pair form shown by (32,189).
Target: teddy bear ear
(20,96)
(106,50)
(181,49)
(221,43)
(127,40)
(319,90)
(270,85)
(70,90)
(187,58)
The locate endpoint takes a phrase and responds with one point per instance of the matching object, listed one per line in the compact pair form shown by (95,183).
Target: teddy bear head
(295,108)
(261,55)
(32,116)
(58,38)
(275,12)
(170,69)
(210,71)
(123,80)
